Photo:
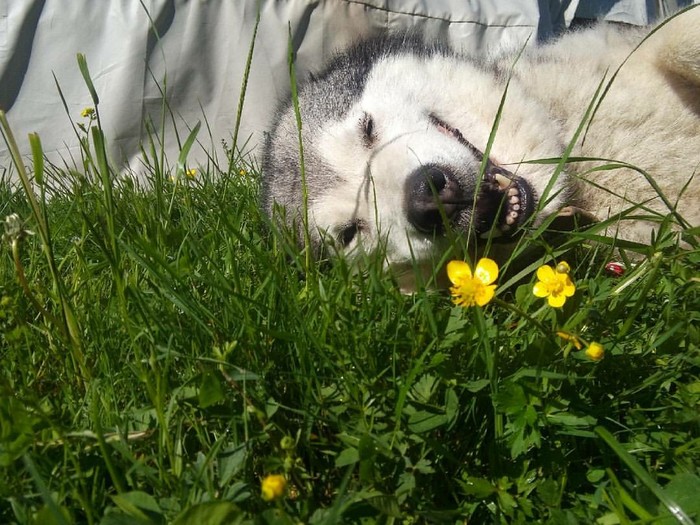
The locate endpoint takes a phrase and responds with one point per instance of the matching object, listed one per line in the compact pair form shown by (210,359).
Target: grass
(163,352)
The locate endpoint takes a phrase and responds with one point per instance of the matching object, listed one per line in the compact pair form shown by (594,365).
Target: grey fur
(354,155)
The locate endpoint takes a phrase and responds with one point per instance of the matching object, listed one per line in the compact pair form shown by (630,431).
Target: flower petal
(595,351)
(540,289)
(457,271)
(545,273)
(485,294)
(556,301)
(486,270)
(569,289)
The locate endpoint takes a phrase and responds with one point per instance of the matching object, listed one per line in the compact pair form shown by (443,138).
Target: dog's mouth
(503,201)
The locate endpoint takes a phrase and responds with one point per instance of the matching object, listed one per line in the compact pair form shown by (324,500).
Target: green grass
(163,351)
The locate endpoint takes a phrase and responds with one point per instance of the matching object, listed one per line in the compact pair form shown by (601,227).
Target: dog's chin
(505,203)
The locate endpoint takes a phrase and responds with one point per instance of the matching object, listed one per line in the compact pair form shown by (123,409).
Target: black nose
(433,198)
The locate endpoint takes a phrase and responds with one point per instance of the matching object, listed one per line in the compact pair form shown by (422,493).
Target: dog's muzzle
(436,198)
(498,203)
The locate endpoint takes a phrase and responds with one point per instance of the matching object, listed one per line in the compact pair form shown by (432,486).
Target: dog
(405,146)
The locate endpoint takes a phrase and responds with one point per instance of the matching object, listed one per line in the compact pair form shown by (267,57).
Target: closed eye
(348,233)
(368,130)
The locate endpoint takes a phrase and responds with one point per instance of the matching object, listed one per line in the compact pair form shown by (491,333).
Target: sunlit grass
(166,357)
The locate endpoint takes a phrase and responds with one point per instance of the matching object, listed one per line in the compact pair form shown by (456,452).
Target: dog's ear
(572,218)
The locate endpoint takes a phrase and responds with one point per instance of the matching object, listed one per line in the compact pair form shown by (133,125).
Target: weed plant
(167,356)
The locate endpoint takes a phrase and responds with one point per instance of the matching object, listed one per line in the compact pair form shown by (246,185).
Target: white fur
(399,99)
(649,118)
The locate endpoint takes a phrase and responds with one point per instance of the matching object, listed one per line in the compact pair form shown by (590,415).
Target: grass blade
(244,89)
(82,65)
(50,503)
(643,476)
(182,158)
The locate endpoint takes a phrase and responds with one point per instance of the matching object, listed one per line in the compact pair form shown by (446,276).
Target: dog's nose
(433,197)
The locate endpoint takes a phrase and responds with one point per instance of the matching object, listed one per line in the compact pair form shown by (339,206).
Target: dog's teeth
(514,199)
(513,192)
(513,214)
(503,182)
(515,207)
(510,220)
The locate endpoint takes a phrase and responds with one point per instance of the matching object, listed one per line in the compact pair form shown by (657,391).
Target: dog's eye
(369,134)
(348,233)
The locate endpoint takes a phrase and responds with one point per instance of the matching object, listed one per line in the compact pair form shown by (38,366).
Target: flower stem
(522,313)
(22,278)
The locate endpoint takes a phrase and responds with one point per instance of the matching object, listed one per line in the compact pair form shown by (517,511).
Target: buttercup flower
(595,351)
(472,288)
(562,267)
(554,284)
(191,173)
(87,112)
(273,487)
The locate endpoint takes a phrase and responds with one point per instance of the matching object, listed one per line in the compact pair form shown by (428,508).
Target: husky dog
(406,145)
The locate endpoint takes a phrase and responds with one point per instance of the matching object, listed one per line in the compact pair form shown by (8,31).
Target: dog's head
(393,138)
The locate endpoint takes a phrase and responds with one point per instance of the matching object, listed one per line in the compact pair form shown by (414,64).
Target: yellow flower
(595,351)
(242,172)
(87,112)
(563,267)
(191,173)
(472,288)
(273,487)
(554,284)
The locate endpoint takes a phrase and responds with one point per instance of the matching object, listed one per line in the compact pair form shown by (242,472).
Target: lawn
(167,356)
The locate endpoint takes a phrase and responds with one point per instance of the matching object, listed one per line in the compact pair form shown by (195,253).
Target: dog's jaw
(504,201)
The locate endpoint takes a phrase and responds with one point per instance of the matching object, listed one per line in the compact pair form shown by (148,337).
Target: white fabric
(196,51)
